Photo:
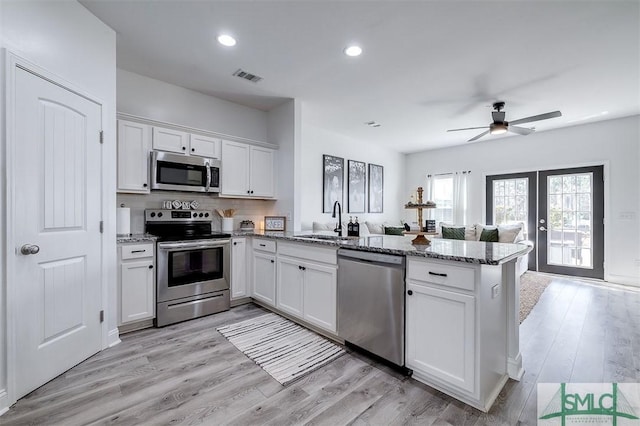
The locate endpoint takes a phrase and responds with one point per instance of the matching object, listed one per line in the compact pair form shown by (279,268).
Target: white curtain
(460,198)
(428,190)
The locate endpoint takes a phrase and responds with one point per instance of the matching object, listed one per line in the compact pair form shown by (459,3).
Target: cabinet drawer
(309,252)
(136,251)
(264,245)
(441,273)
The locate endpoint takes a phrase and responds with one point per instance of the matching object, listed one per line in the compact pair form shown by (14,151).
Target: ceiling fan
(500,126)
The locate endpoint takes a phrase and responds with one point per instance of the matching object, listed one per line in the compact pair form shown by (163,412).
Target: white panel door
(235,169)
(289,282)
(262,182)
(320,298)
(57,291)
(264,277)
(446,352)
(134,144)
(137,291)
(170,140)
(204,146)
(238,268)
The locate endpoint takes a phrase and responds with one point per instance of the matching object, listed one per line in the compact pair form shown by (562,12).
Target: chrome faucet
(339,226)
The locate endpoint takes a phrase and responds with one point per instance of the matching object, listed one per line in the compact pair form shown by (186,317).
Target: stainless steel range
(192,277)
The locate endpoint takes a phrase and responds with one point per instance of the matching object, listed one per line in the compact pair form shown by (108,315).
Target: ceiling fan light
(497,129)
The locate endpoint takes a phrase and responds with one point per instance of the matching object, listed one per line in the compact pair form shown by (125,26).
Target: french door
(563,212)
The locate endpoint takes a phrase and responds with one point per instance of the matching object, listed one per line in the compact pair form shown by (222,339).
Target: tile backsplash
(254,210)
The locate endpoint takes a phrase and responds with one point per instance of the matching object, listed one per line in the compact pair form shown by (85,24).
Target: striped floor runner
(282,348)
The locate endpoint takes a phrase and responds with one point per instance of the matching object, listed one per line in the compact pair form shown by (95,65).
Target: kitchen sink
(324,237)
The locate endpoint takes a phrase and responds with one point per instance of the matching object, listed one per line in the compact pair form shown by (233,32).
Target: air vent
(247,75)
(372,124)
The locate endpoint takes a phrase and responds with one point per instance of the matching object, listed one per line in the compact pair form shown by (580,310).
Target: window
(510,201)
(443,197)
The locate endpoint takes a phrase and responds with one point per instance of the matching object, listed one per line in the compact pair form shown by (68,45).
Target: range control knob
(201,214)
(206,215)
(195,214)
(160,214)
(153,214)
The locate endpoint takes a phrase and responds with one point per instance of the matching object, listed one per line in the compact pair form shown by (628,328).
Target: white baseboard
(624,280)
(514,367)
(113,338)
(4,401)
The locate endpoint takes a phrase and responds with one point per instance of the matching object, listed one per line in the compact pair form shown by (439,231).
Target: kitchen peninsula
(461,298)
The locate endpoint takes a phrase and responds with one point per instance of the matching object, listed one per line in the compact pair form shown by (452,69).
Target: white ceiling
(427,66)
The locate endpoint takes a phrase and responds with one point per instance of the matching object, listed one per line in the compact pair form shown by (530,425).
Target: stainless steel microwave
(175,172)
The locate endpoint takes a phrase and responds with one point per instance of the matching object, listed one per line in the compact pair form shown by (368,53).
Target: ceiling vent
(372,124)
(247,75)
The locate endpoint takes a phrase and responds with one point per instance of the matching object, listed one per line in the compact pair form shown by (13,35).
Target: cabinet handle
(437,274)
(150,266)
(235,243)
(248,192)
(410,292)
(184,148)
(273,261)
(263,245)
(304,268)
(252,192)
(193,149)
(144,185)
(138,251)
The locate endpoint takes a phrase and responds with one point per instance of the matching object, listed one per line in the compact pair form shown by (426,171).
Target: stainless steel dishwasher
(371,302)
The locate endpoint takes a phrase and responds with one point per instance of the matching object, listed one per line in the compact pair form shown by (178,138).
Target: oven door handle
(206,187)
(181,246)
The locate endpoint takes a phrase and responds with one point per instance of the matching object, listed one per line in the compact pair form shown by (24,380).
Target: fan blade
(519,130)
(475,138)
(498,116)
(546,116)
(468,128)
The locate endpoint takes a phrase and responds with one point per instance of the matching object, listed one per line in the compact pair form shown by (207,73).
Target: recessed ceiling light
(353,50)
(226,40)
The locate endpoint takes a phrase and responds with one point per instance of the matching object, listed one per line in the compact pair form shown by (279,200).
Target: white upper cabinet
(247,170)
(235,169)
(170,140)
(204,146)
(134,144)
(261,173)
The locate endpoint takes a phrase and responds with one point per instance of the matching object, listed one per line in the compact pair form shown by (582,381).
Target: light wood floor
(189,373)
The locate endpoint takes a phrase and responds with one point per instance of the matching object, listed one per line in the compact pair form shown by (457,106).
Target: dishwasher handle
(373,257)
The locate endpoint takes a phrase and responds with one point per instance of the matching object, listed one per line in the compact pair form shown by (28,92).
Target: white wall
(68,41)
(314,143)
(145,97)
(149,98)
(615,142)
(283,124)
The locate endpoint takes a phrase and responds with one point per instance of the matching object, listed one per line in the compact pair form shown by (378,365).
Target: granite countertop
(136,238)
(457,250)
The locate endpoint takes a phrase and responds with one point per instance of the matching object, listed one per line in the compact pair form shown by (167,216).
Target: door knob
(542,228)
(28,249)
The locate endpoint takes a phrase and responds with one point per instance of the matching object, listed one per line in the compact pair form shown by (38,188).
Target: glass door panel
(571,230)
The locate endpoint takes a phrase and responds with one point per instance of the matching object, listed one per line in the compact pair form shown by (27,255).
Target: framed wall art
(332,181)
(376,188)
(356,185)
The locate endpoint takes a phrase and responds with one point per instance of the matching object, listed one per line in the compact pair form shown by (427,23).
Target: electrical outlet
(627,215)
(495,291)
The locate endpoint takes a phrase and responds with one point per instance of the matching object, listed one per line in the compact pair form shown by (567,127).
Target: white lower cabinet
(263,276)
(290,283)
(456,331)
(320,298)
(307,288)
(440,334)
(136,283)
(238,268)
